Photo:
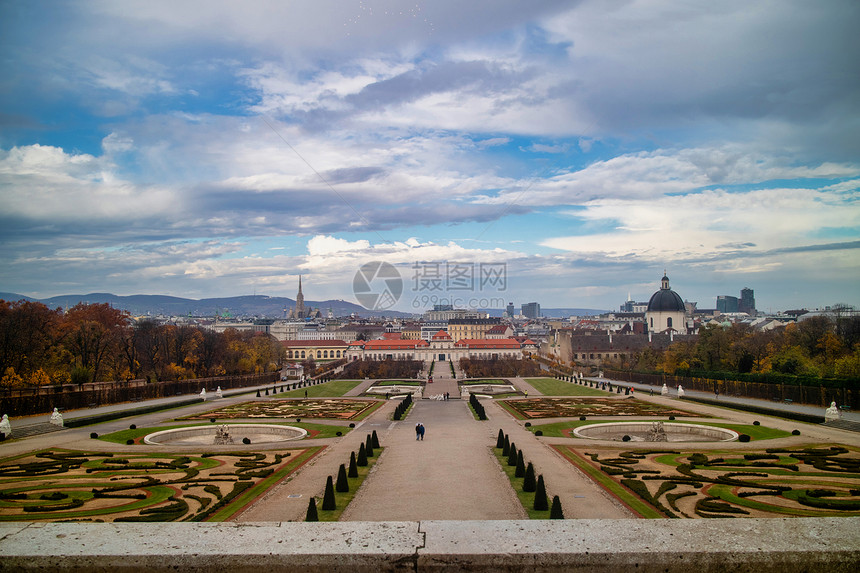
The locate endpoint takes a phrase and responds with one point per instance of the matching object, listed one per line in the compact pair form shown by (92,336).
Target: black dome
(666,300)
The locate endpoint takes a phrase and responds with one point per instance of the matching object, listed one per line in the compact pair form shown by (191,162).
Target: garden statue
(222,436)
(203,394)
(57,418)
(218,393)
(665,390)
(5,426)
(832,413)
(680,391)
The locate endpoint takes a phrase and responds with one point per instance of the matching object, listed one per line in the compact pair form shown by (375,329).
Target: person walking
(417,431)
(421,431)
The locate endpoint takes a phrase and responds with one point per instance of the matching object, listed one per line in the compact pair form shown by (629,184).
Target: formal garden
(811,481)
(317,408)
(66,485)
(544,407)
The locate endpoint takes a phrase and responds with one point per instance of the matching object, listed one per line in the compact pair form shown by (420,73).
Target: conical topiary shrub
(362,456)
(368,446)
(521,466)
(500,441)
(328,498)
(342,484)
(312,511)
(541,503)
(374,439)
(512,456)
(529,483)
(258,393)
(506,447)
(555,511)
(353,467)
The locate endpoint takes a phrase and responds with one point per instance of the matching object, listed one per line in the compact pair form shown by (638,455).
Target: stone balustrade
(643,546)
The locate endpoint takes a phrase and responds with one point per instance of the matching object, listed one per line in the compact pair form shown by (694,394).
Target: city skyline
(212,150)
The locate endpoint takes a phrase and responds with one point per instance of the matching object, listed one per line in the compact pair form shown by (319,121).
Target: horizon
(574,151)
(810,308)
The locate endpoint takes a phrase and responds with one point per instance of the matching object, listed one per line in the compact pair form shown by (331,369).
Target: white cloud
(44,183)
(712,223)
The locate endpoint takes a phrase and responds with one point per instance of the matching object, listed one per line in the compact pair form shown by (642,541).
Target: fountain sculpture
(222,436)
(657,433)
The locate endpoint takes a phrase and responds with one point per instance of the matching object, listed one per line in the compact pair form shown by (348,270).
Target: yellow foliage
(11,379)
(39,378)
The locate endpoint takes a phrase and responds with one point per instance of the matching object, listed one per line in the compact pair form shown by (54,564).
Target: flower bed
(574,407)
(67,485)
(771,483)
(331,408)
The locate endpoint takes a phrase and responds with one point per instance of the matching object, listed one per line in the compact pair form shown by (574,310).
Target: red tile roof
(393,344)
(313,343)
(441,335)
(500,343)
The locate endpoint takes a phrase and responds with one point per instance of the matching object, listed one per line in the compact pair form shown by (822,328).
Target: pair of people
(419,431)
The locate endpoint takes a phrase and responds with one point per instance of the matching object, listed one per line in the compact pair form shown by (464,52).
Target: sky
(492,151)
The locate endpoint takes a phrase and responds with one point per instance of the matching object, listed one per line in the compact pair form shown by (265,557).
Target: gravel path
(450,475)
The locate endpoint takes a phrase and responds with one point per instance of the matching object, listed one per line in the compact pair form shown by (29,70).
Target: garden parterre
(328,408)
(64,485)
(813,481)
(530,408)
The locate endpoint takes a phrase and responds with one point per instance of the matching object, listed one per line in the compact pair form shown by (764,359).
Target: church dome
(665,299)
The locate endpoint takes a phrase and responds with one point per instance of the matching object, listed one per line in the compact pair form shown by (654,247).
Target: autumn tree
(91,333)
(28,336)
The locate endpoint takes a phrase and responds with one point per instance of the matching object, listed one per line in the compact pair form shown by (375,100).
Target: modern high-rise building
(747,301)
(510,310)
(531,310)
(727,303)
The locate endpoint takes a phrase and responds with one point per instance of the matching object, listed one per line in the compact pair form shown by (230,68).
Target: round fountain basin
(205,435)
(400,390)
(639,432)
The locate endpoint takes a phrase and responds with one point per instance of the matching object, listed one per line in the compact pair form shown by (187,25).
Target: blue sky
(210,148)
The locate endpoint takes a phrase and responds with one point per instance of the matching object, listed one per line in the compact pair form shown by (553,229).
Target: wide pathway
(450,475)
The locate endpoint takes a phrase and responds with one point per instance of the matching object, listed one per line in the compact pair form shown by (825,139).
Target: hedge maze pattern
(802,482)
(61,485)
(531,408)
(310,408)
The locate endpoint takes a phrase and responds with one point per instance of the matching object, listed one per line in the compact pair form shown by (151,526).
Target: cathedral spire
(300,301)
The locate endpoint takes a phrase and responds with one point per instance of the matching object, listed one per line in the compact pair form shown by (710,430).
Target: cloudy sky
(212,148)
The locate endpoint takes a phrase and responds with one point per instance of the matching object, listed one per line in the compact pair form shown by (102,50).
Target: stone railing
(667,546)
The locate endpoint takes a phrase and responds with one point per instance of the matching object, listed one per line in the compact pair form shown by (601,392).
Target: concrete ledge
(665,546)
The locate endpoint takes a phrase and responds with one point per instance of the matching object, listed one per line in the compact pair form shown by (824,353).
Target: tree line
(96,342)
(819,347)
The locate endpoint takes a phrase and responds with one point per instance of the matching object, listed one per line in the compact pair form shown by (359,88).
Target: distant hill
(261,306)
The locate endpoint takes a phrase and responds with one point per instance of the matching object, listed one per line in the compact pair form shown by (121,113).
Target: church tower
(300,301)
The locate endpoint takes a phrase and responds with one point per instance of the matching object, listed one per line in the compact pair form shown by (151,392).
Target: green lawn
(631,500)
(555,430)
(122,436)
(527,499)
(332,389)
(484,382)
(553,387)
(342,499)
(398,383)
